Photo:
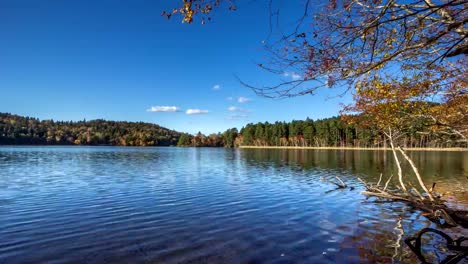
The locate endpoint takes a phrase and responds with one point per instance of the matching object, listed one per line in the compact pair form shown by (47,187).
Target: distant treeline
(329,132)
(18,130)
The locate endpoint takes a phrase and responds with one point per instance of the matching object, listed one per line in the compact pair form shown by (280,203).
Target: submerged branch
(395,156)
(386,184)
(340,185)
(416,172)
(435,210)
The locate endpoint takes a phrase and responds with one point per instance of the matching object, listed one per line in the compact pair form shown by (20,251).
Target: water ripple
(173,205)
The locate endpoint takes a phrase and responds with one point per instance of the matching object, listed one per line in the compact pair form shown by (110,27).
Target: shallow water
(209,205)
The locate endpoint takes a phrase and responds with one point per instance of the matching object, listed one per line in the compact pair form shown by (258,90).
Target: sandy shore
(352,148)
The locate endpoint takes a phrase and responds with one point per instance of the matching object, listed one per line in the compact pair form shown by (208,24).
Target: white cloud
(243,99)
(216,87)
(163,109)
(294,76)
(196,111)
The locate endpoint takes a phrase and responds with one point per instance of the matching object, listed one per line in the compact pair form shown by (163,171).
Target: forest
(329,132)
(18,130)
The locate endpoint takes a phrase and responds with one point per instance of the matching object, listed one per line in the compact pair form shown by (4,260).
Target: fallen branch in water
(340,185)
(416,172)
(380,179)
(386,184)
(432,206)
(343,185)
(434,210)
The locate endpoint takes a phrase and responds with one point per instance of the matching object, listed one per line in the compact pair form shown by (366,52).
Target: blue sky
(75,60)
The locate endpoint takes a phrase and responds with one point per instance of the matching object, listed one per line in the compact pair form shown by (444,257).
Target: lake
(209,205)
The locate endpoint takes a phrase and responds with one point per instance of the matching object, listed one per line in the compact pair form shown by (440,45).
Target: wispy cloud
(243,99)
(196,111)
(216,87)
(163,109)
(237,109)
(235,117)
(238,113)
(294,76)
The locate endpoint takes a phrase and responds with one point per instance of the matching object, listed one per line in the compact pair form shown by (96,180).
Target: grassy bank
(352,148)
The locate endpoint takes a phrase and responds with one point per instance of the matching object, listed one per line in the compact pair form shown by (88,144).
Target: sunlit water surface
(209,205)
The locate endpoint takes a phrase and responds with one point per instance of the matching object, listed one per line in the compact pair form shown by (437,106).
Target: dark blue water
(187,205)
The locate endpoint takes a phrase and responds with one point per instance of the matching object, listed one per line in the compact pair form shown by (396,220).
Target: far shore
(351,148)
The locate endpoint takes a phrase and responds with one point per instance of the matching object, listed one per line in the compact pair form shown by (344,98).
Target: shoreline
(456,149)
(351,148)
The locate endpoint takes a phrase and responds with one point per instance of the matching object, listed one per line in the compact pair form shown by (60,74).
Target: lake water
(208,205)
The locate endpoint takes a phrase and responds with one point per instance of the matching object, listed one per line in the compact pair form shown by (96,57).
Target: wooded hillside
(20,130)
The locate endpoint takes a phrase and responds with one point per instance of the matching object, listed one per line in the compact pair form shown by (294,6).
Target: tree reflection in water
(384,243)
